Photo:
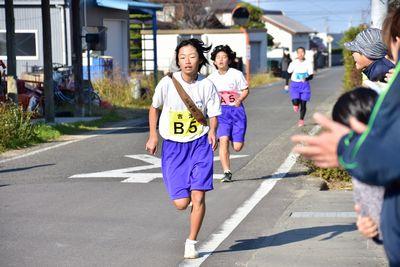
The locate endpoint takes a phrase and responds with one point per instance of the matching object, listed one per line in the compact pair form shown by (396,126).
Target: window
(26,44)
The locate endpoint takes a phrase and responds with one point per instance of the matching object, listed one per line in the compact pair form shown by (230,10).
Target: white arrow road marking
(132,176)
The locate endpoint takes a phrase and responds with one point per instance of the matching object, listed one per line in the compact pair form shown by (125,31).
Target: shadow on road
(290,236)
(26,168)
(288,175)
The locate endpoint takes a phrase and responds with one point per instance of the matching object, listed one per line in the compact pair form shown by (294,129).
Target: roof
(222,6)
(126,4)
(286,23)
(203,31)
(218,6)
(33,2)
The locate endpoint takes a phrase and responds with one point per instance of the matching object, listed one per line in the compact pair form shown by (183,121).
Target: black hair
(200,47)
(302,48)
(358,103)
(227,50)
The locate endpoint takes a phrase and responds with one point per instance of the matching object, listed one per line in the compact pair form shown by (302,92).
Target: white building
(286,32)
(167,41)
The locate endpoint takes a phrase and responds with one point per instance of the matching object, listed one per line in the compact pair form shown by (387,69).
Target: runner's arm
(291,67)
(243,96)
(212,139)
(152,142)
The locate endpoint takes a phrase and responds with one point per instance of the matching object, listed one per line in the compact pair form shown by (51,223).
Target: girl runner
(300,90)
(187,151)
(233,90)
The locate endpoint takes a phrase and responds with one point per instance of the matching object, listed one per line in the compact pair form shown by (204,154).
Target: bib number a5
(228,97)
(182,123)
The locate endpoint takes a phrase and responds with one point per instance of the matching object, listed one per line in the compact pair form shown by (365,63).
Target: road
(58,207)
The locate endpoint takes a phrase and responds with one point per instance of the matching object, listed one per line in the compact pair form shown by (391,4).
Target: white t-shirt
(176,122)
(300,70)
(229,85)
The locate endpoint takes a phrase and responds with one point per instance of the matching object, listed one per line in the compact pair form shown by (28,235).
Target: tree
(255,20)
(352,76)
(193,14)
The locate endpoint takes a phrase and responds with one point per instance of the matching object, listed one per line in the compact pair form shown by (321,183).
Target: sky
(336,15)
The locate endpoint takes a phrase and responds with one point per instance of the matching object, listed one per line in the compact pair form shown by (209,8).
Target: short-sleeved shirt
(229,85)
(176,122)
(300,70)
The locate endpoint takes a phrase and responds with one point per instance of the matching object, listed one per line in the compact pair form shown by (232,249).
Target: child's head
(357,103)
(189,55)
(223,56)
(367,47)
(301,53)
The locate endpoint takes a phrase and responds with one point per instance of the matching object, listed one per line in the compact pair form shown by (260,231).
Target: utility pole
(379,10)
(11,54)
(47,62)
(77,56)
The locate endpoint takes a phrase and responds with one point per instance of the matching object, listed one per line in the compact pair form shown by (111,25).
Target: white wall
(166,44)
(280,36)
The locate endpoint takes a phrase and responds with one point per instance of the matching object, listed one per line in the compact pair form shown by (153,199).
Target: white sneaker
(190,249)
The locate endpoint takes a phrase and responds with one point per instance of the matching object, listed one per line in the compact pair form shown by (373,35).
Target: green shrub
(16,129)
(352,76)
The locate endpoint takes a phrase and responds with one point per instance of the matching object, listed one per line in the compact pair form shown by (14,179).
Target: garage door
(117,46)
(255,55)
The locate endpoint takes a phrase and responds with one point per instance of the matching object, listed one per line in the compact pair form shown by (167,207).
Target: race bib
(228,97)
(301,76)
(182,123)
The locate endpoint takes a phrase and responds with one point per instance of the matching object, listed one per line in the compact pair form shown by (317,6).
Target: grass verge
(260,79)
(336,178)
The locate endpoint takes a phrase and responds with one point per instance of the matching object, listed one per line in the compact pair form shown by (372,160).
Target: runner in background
(233,90)
(300,91)
(286,60)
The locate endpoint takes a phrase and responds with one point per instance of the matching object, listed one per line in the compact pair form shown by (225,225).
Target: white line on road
(132,176)
(78,138)
(228,226)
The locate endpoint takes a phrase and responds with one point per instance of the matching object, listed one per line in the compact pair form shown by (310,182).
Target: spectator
(286,60)
(369,152)
(359,104)
(369,53)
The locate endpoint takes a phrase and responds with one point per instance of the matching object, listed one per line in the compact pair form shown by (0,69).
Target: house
(167,40)
(112,14)
(287,32)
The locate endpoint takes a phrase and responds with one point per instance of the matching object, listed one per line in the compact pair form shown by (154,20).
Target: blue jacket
(374,158)
(378,69)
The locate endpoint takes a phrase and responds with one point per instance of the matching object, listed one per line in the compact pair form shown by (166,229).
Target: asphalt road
(50,219)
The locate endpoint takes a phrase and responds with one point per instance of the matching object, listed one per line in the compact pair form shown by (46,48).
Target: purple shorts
(232,123)
(187,166)
(300,90)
